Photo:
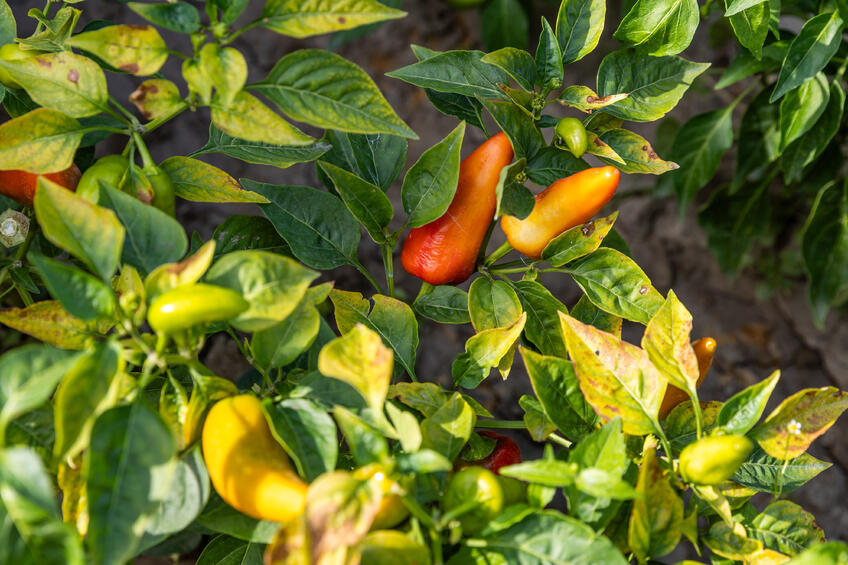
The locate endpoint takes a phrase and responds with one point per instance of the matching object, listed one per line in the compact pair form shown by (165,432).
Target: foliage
(103,413)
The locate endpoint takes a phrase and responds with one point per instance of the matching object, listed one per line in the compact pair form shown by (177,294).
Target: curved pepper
(189,305)
(110,170)
(21,185)
(163,190)
(247,466)
(704,351)
(445,250)
(566,203)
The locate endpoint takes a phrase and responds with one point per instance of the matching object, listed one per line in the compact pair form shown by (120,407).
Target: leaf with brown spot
(616,378)
(304,18)
(799,420)
(584,98)
(578,241)
(138,50)
(637,153)
(601,149)
(157,98)
(49,322)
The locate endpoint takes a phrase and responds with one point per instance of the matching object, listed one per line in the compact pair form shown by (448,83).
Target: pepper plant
(117,440)
(784,210)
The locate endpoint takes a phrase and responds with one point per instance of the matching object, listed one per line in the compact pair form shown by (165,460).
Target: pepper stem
(498,253)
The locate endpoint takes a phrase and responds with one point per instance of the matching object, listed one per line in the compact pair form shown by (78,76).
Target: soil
(755,336)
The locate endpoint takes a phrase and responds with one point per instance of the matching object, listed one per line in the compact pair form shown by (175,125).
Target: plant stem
(146,160)
(364,272)
(498,253)
(127,114)
(158,122)
(501,424)
(481,255)
(389,264)
(510,271)
(558,439)
(238,32)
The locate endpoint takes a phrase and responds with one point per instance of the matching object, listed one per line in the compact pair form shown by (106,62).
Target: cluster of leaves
(785,208)
(109,413)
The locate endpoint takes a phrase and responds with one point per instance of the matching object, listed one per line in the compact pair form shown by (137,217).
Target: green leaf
(28,376)
(448,428)
(785,527)
(615,284)
(543,308)
(655,524)
(634,152)
(824,247)
(392,319)
(431,183)
(298,18)
(230,9)
(492,304)
(152,236)
(802,107)
(655,84)
(578,27)
(578,241)
(457,72)
(8,26)
(736,6)
(809,52)
(551,164)
(759,139)
(181,17)
(240,232)
(558,390)
(742,411)
(85,392)
(543,538)
(486,349)
(83,296)
(828,553)
(617,378)
(366,202)
(698,147)
(138,50)
(307,433)
(445,304)
(281,156)
(328,91)
(247,118)
(809,147)
(790,429)
(28,499)
(519,127)
(88,232)
(765,473)
(517,63)
(197,181)
(604,449)
(731,543)
(549,72)
(732,221)
(65,81)
(225,68)
(282,343)
(516,200)
(376,158)
(540,472)
(272,284)
(49,322)
(539,425)
(658,28)
(225,550)
(408,430)
(745,64)
(222,518)
(127,472)
(428,397)
(504,24)
(41,141)
(319,228)
(751,26)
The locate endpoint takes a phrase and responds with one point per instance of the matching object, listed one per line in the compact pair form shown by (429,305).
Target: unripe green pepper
(478,492)
(571,132)
(714,459)
(110,169)
(163,190)
(190,305)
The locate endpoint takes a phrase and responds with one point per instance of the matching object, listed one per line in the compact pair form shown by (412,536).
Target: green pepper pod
(110,170)
(190,305)
(163,190)
(714,459)
(571,132)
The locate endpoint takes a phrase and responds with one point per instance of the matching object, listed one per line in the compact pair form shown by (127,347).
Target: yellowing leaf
(302,18)
(157,98)
(138,50)
(247,118)
(48,322)
(666,341)
(42,141)
(360,359)
(616,378)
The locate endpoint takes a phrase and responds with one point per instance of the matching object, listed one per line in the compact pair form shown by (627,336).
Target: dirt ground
(755,337)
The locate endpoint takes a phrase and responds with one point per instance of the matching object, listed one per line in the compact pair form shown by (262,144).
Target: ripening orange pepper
(704,351)
(445,250)
(566,203)
(21,185)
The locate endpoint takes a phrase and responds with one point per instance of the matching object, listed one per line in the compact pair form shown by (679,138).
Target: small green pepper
(163,190)
(571,132)
(477,495)
(110,170)
(714,459)
(190,305)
